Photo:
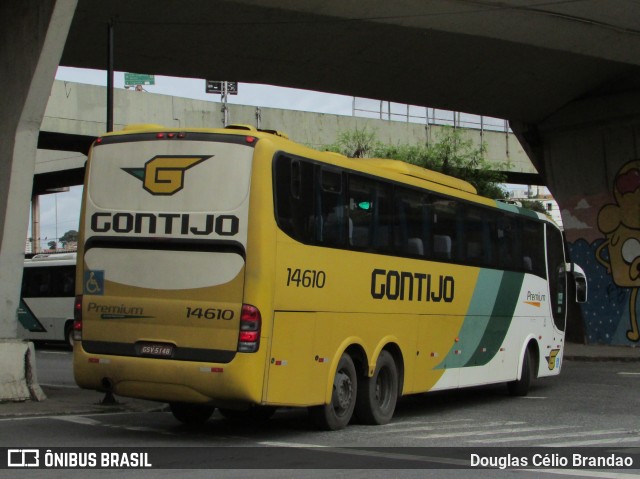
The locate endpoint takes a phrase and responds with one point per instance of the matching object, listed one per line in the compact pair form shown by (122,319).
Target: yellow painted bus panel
(297,376)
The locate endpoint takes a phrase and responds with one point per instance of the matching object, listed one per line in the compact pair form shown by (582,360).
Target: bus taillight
(77,318)
(250,324)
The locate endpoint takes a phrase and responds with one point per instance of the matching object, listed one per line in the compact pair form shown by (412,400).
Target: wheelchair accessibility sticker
(94,282)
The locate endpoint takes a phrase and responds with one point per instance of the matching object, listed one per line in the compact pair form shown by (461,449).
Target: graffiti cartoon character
(620,223)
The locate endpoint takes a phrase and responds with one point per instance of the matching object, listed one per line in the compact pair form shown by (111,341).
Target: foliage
(450,154)
(70,236)
(355,144)
(52,245)
(535,205)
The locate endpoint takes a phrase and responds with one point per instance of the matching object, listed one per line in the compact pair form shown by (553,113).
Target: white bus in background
(46,299)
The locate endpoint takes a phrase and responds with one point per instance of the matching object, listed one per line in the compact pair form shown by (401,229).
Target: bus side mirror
(580,280)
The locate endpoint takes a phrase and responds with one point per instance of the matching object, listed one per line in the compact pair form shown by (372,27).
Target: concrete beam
(76,114)
(33,34)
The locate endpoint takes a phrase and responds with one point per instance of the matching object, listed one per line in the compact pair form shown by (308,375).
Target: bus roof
(418,172)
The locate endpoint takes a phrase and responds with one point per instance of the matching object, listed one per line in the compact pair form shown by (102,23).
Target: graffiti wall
(603,235)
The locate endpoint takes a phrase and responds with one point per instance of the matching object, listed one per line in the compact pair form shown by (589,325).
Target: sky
(59,212)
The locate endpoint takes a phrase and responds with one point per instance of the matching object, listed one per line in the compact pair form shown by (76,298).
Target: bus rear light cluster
(77,318)
(250,326)
(170,135)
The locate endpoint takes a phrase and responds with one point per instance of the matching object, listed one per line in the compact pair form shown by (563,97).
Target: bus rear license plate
(159,350)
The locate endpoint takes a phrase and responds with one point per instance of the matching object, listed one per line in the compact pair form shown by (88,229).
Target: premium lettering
(114,309)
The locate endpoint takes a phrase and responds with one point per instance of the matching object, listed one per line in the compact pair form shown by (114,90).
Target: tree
(70,236)
(356,144)
(535,205)
(52,245)
(451,154)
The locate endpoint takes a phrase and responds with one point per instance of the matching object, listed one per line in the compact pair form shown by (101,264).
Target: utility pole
(110,75)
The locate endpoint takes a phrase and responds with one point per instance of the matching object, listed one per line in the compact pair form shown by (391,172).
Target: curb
(620,359)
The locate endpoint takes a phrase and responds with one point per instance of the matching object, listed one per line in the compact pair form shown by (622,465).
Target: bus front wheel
(520,387)
(378,395)
(191,414)
(337,414)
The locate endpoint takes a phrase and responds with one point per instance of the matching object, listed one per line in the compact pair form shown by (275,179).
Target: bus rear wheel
(378,395)
(337,414)
(191,414)
(520,387)
(68,333)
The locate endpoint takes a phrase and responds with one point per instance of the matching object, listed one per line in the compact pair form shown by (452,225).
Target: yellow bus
(235,269)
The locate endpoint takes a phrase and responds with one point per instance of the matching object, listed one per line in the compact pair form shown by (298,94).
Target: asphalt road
(591,404)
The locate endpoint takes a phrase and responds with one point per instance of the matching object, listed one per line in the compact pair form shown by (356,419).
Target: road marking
(583,473)
(375,454)
(625,373)
(490,433)
(61,386)
(409,423)
(533,397)
(547,437)
(444,460)
(456,426)
(598,442)
(86,421)
(63,416)
(290,444)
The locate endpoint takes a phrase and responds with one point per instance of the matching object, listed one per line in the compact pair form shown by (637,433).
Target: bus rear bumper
(168,380)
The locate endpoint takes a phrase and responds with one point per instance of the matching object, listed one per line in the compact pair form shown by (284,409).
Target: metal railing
(387,110)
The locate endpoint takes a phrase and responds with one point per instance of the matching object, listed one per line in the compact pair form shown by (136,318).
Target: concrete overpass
(566,73)
(71,121)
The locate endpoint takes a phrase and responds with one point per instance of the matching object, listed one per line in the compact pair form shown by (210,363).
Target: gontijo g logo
(164,175)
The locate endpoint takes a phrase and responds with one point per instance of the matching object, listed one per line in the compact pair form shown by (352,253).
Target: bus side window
(284,198)
(532,247)
(333,225)
(474,231)
(38,283)
(506,238)
(361,207)
(63,281)
(371,214)
(446,235)
(557,276)
(293,202)
(410,230)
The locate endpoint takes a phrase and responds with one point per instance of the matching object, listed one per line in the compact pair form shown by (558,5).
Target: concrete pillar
(32,38)
(589,155)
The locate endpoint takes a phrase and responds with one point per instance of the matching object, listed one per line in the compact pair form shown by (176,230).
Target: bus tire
(191,414)
(378,395)
(68,333)
(253,414)
(337,414)
(520,387)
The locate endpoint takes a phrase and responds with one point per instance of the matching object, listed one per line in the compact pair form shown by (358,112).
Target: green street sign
(133,79)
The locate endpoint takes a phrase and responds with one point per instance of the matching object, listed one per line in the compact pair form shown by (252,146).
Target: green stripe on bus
(501,317)
(475,324)
(28,320)
(484,330)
